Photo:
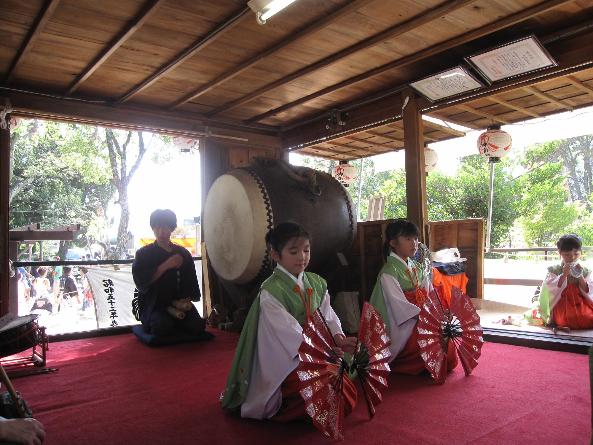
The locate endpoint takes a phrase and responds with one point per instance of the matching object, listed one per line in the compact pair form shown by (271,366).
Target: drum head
(9,321)
(237,216)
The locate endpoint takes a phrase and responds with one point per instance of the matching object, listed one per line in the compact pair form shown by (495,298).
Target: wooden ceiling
(210,63)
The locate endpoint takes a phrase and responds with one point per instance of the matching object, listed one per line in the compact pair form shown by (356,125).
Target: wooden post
(213,163)
(415,168)
(4,209)
(13,292)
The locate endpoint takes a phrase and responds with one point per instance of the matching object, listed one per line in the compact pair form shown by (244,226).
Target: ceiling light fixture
(264,9)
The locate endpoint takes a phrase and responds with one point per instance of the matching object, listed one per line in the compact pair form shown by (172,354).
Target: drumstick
(15,398)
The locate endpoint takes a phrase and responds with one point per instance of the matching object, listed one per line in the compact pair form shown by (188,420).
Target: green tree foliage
(393,190)
(545,206)
(59,175)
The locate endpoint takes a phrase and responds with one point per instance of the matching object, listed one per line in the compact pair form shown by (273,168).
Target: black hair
(398,227)
(163,218)
(280,235)
(568,242)
(67,270)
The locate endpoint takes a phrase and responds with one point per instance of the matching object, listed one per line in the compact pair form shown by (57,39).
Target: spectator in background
(41,284)
(69,288)
(56,275)
(41,289)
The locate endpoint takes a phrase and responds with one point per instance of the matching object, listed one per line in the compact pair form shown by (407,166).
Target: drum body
(19,335)
(245,203)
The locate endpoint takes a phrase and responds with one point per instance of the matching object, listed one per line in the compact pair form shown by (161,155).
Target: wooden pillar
(213,163)
(415,167)
(13,292)
(4,209)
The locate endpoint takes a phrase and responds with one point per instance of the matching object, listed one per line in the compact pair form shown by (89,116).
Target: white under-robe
(402,314)
(551,282)
(279,336)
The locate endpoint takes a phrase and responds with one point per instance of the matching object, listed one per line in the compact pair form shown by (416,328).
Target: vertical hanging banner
(113,292)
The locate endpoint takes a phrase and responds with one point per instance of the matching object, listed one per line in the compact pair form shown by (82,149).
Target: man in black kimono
(165,277)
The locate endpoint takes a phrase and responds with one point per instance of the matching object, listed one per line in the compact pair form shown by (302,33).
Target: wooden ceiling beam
(41,20)
(443,128)
(580,85)
(573,54)
(390,33)
(137,118)
(327,150)
(196,47)
(304,32)
(490,116)
(386,136)
(548,97)
(455,121)
(352,149)
(147,10)
(514,107)
(420,55)
(365,141)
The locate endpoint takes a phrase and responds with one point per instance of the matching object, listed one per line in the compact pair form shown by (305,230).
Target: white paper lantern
(494,143)
(430,159)
(345,173)
(184,143)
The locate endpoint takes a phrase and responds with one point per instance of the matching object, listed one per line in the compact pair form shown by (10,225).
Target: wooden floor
(492,314)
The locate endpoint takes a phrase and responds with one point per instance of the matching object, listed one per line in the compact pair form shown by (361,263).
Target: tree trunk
(122,231)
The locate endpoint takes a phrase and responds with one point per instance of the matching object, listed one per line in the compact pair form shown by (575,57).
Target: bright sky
(174,185)
(560,126)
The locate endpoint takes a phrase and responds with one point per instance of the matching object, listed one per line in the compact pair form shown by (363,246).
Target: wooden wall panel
(468,236)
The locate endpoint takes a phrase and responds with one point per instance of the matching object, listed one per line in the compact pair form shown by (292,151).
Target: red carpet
(114,390)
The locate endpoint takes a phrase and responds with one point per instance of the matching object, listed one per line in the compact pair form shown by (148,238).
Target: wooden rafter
(328,151)
(149,8)
(197,46)
(548,97)
(580,85)
(514,107)
(390,33)
(490,116)
(352,149)
(42,18)
(306,31)
(420,55)
(455,121)
(365,141)
(386,136)
(443,128)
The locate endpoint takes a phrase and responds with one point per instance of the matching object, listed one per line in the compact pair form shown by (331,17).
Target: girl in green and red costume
(262,383)
(401,288)
(566,298)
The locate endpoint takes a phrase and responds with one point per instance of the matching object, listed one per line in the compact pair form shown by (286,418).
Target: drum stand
(19,365)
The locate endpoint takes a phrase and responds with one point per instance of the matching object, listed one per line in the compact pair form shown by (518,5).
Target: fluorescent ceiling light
(512,59)
(264,9)
(448,83)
